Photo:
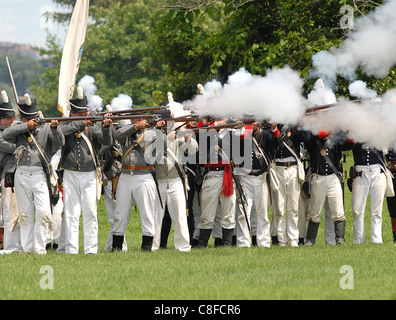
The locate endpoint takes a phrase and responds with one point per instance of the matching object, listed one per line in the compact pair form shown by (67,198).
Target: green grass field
(213,273)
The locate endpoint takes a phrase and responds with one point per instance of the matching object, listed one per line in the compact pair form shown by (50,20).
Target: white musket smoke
(359,89)
(276,97)
(122,102)
(371,46)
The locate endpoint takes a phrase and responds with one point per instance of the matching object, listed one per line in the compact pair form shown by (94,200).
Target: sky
(22,22)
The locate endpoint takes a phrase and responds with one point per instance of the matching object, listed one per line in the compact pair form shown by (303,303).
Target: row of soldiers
(212,193)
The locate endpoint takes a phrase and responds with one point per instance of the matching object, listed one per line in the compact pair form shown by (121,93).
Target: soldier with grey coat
(31,184)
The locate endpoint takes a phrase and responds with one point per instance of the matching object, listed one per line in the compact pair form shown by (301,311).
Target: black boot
(227,236)
(194,243)
(274,240)
(218,242)
(117,242)
(147,243)
(312,232)
(339,229)
(204,235)
(254,240)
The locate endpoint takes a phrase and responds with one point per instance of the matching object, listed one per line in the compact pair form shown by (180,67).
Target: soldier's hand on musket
(107,122)
(172,135)
(54,124)
(143,124)
(32,124)
(193,123)
(240,125)
(87,123)
(160,124)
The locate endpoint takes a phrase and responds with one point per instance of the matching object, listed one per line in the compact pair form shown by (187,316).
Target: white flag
(71,56)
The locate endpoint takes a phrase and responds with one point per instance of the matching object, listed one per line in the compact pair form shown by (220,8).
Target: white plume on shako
(88,85)
(120,103)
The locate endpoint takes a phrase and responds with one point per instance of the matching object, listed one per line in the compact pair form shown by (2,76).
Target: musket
(133,111)
(98,118)
(12,81)
(331,105)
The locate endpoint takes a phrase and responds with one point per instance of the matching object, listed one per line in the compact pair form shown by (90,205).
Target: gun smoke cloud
(371,46)
(277,96)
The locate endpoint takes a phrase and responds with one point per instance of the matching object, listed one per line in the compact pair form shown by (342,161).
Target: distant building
(24,49)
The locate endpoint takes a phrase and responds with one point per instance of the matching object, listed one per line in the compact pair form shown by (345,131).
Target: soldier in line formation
(226,196)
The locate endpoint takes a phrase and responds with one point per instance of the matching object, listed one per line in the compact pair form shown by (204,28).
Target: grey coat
(48,138)
(76,155)
(145,154)
(7,159)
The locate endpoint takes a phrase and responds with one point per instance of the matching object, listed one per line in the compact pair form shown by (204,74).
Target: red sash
(227,188)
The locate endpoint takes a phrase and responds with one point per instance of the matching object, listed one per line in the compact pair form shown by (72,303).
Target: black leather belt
(257,173)
(286,164)
(359,173)
(208,169)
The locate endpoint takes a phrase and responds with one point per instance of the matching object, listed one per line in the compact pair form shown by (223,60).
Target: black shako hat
(27,107)
(79,104)
(6,109)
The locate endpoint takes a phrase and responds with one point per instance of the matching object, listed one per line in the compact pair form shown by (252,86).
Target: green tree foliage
(119,53)
(24,69)
(257,36)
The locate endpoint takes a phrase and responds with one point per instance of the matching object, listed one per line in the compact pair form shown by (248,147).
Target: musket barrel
(97,118)
(331,105)
(134,111)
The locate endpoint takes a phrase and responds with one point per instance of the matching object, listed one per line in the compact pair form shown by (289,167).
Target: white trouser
(12,231)
(79,192)
(137,190)
(172,195)
(32,194)
(372,181)
(57,213)
(303,209)
(216,231)
(326,188)
(213,203)
(256,192)
(286,200)
(110,209)
(302,216)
